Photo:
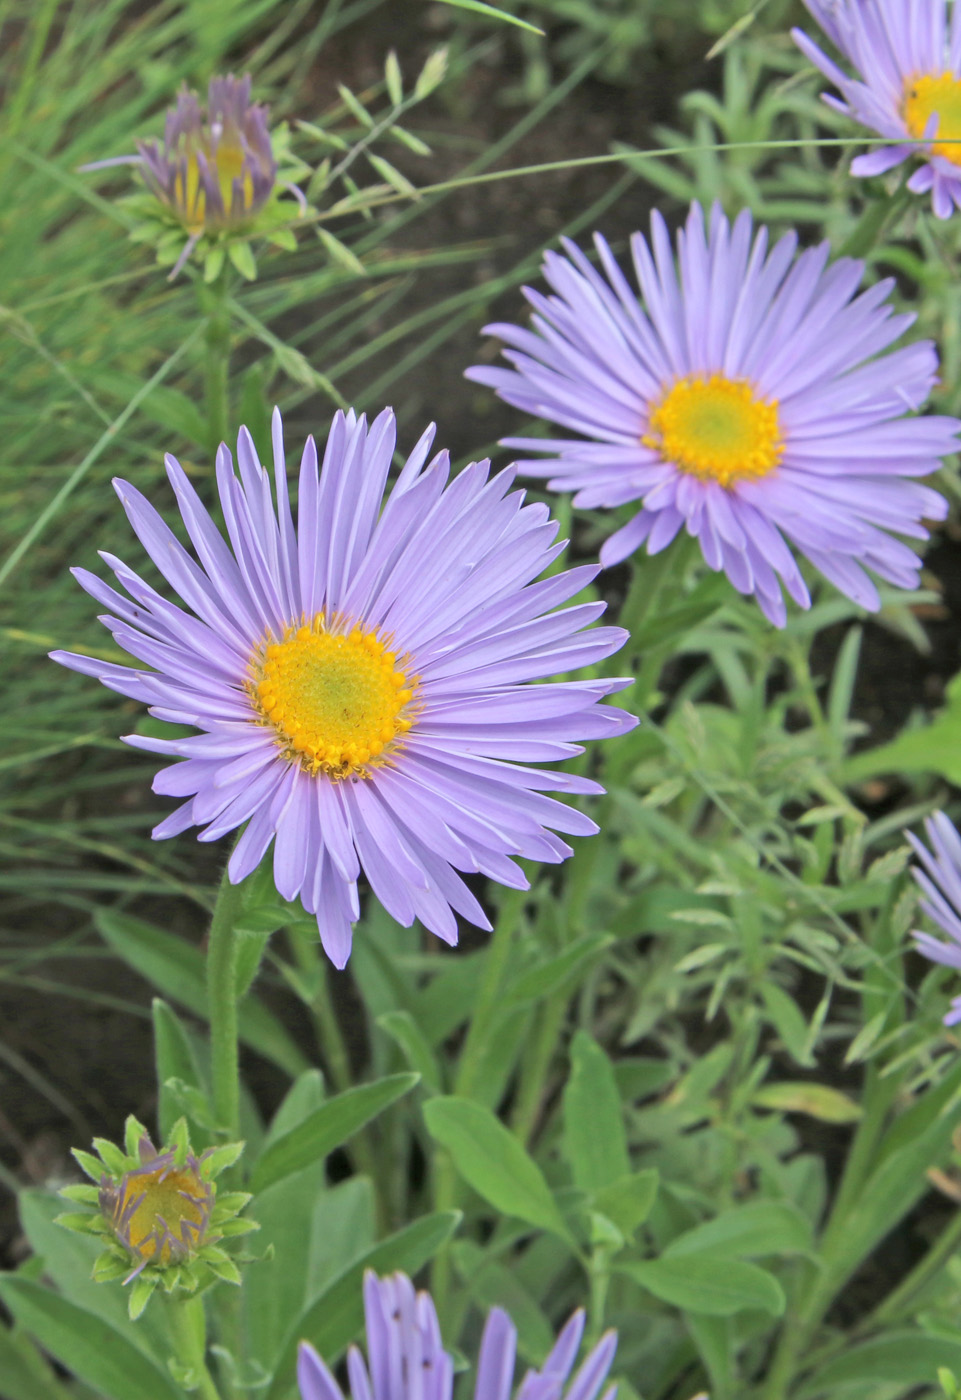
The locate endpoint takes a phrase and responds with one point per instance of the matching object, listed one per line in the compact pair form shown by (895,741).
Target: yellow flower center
(174,1211)
(926,94)
(717,429)
(336,699)
(190,197)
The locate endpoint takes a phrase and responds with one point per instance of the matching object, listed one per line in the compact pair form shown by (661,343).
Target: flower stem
(214,301)
(188,1332)
(222,1008)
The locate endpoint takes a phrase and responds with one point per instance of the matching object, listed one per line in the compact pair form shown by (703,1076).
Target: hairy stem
(222,1008)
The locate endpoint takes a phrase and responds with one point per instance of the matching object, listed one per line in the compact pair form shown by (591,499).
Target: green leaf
(788,1021)
(595,1143)
(393,79)
(897,1359)
(69,1260)
(327,1127)
(176,1060)
(709,1283)
(394,178)
(251,947)
(277,1289)
(493,1162)
(760,1227)
(355,106)
(551,975)
(89,1347)
(492,1285)
(178,970)
(816,1100)
(407,1034)
(935,748)
(337,1314)
(340,254)
(24,1375)
(482,8)
(627,1202)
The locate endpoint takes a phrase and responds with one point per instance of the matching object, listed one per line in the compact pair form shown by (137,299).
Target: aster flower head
(362,681)
(217,169)
(907,56)
(747,398)
(939,879)
(158,1213)
(407,1360)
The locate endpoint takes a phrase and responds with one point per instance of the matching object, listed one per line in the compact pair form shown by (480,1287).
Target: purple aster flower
(939,880)
(362,681)
(407,1359)
(748,401)
(908,58)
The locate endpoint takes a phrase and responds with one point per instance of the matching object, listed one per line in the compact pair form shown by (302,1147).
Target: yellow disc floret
(336,696)
(926,94)
(717,429)
(226,163)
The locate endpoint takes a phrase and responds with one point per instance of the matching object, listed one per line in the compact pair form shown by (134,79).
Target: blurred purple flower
(939,880)
(363,681)
(407,1360)
(908,60)
(748,401)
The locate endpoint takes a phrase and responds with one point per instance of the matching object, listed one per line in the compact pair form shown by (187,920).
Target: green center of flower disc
(173,1209)
(927,94)
(337,700)
(717,429)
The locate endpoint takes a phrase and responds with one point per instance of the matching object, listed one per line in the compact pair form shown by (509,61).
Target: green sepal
(214,262)
(113,1159)
(88,1163)
(83,1224)
(140,1295)
(179,1140)
(225,1269)
(227,1228)
(87,1195)
(284,238)
(230,1203)
(109,1266)
(242,257)
(218,1159)
(133,1134)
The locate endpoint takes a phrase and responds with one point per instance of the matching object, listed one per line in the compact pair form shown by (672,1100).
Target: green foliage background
(695,1080)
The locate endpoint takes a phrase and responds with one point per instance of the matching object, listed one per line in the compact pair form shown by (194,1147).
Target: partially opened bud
(158,1213)
(218,172)
(216,169)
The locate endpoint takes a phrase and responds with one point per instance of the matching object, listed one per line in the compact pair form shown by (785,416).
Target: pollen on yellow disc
(167,1198)
(716,428)
(337,699)
(942,94)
